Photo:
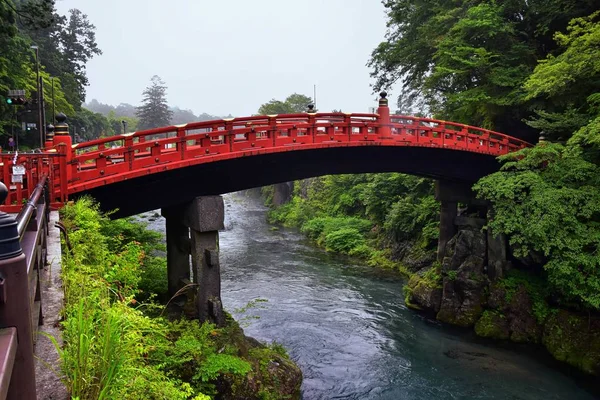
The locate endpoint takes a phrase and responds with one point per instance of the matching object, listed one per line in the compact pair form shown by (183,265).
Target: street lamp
(53,105)
(39,96)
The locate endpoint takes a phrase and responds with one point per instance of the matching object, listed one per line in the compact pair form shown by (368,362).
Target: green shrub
(112,350)
(344,240)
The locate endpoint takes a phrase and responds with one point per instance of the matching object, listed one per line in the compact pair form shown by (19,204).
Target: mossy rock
(574,339)
(493,325)
(422,295)
(274,375)
(460,307)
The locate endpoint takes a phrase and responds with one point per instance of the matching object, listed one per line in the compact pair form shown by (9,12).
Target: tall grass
(113,350)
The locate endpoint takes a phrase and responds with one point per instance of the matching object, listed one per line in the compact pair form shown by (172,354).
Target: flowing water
(348,329)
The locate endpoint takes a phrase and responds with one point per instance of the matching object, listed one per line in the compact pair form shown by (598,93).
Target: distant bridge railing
(23,244)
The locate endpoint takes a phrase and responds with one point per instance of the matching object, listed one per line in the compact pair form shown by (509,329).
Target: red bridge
(178,168)
(160,167)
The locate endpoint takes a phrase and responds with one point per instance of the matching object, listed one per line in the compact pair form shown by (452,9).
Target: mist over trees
(154,111)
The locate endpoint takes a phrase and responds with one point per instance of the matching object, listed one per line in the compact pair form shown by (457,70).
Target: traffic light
(16,98)
(16,101)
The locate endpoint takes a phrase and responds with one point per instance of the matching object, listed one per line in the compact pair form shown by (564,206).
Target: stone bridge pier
(475,213)
(282,193)
(193,232)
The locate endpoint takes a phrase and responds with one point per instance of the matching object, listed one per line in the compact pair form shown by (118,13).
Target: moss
(537,290)
(492,324)
(273,376)
(574,339)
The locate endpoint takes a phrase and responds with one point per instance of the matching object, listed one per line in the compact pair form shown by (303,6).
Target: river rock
(463,294)
(523,325)
(574,339)
(509,317)
(274,375)
(493,325)
(423,296)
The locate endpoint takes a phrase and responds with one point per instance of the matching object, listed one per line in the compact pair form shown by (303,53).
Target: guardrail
(23,243)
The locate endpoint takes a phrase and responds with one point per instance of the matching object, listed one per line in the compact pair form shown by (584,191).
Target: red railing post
(385,126)
(49,137)
(15,307)
(64,146)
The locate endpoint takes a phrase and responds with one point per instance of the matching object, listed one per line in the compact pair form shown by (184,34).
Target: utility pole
(315,96)
(53,104)
(39,96)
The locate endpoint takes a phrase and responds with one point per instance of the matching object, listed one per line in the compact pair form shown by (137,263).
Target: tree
(154,112)
(468,60)
(182,116)
(547,198)
(294,103)
(78,42)
(17,71)
(116,122)
(568,83)
(89,125)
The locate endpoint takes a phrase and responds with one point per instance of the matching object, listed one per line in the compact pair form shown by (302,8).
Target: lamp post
(39,96)
(53,105)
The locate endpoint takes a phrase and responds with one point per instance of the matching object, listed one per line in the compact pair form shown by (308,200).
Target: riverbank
(117,344)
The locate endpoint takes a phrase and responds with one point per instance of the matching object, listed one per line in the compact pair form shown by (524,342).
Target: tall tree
(469,60)
(154,111)
(294,103)
(78,41)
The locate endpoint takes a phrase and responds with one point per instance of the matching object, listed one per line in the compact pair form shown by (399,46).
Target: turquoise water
(348,329)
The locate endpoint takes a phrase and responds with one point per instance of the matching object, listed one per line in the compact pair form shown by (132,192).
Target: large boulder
(493,325)
(574,339)
(464,282)
(516,309)
(422,295)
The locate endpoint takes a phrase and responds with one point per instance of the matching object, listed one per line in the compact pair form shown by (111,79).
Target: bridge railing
(22,255)
(21,172)
(431,132)
(102,158)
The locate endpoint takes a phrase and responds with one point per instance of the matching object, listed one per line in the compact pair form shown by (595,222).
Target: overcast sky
(230,56)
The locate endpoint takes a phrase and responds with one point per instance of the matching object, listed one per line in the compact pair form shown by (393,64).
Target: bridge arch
(150,169)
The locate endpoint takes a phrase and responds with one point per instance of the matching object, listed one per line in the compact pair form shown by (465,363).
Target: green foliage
(536,287)
(547,200)
(569,82)
(433,276)
(112,348)
(467,61)
(344,240)
(65,45)
(362,214)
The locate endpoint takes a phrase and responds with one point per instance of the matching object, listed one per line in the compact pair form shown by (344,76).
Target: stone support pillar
(449,194)
(282,193)
(497,252)
(448,212)
(178,248)
(205,217)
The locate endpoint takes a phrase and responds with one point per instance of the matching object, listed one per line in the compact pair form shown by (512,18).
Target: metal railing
(23,244)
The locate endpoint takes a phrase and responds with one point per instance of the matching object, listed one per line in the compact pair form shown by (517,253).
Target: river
(348,329)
